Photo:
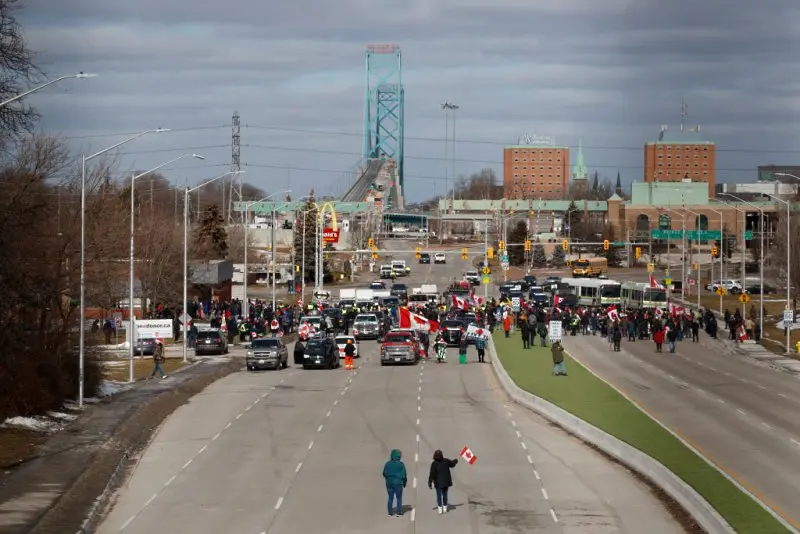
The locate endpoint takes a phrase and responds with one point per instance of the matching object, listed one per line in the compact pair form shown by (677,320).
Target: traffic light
(371,243)
(714,252)
(374,255)
(605,244)
(638,252)
(464,254)
(527,245)
(565,244)
(418,251)
(490,252)
(501,246)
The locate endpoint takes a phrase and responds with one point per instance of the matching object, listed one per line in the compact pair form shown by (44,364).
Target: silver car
(366,325)
(267,353)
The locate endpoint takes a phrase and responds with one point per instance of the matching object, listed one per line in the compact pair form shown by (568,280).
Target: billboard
(157,328)
(329,235)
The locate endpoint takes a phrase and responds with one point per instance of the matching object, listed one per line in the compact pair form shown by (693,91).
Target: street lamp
(131,315)
(721,256)
(744,242)
(683,246)
(761,262)
(82,330)
(246,228)
(79,76)
(185,316)
(788,265)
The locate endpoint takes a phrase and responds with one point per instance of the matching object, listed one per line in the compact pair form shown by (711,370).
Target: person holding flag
(440,478)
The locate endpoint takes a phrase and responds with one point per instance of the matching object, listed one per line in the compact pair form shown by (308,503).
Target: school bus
(589,267)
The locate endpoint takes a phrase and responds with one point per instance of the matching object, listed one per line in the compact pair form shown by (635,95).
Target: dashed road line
(279,503)
(740,411)
(310,444)
(530,460)
(216,436)
(766,425)
(170,481)
(202,449)
(545,495)
(553,515)
(299,466)
(319,428)
(795,442)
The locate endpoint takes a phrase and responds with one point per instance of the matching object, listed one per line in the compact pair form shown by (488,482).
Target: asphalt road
(298,451)
(740,414)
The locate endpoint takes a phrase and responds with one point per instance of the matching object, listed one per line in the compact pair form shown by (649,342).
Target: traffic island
(593,401)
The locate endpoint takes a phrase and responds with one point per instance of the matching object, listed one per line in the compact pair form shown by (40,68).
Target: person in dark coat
(394,473)
(299,352)
(440,478)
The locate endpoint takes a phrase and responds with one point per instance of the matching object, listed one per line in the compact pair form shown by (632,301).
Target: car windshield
(398,338)
(315,347)
(610,291)
(472,273)
(399,286)
(656,295)
(452,324)
(366,319)
(582,264)
(265,344)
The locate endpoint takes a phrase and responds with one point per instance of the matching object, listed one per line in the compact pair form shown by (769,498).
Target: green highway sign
(695,235)
(618,243)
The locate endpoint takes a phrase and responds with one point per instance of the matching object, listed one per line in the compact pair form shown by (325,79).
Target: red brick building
(679,156)
(535,172)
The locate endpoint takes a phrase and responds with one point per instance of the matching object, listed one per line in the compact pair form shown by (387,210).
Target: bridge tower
(383,107)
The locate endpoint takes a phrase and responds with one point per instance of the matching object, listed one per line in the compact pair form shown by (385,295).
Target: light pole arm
(40,87)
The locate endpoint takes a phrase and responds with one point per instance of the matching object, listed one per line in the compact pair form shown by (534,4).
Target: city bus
(610,292)
(587,292)
(590,267)
(641,295)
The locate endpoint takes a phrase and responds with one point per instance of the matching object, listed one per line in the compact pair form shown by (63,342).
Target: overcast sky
(609,72)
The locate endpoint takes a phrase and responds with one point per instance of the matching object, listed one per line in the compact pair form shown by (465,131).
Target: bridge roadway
(298,451)
(358,191)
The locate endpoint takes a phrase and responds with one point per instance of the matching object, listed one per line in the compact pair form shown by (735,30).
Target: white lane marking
(553,515)
(523,445)
(239,416)
(672,377)
(766,425)
(128,522)
(419,388)
(795,442)
(741,412)
(151,499)
(227,426)
(530,460)
(264,395)
(299,466)
(536,474)
(170,481)
(784,395)
(281,382)
(514,424)
(419,398)
(328,414)
(279,503)
(721,401)
(336,402)
(248,408)
(258,399)
(417,438)
(416,457)
(188,463)
(508,414)
(545,495)
(418,421)
(414,483)
(413,514)
(519,434)
(216,436)
(419,408)
(345,388)
(761,386)
(202,449)
(310,444)
(319,428)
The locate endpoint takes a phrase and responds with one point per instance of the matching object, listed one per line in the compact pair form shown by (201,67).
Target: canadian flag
(460,303)
(414,321)
(659,312)
(466,454)
(556,301)
(612,313)
(475,300)
(655,284)
(675,310)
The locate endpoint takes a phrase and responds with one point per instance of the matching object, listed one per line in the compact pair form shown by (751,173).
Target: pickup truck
(399,347)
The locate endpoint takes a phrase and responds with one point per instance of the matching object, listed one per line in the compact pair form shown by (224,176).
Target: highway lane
(299,451)
(742,415)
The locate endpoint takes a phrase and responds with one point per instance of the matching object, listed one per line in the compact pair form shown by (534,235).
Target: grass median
(589,398)
(119,370)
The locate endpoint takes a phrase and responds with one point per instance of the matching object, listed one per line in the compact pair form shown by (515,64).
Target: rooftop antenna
(684,108)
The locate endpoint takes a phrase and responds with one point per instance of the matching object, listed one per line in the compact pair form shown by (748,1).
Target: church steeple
(580,172)
(618,188)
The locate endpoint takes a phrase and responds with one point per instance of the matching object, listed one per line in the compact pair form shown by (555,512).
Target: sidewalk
(55,491)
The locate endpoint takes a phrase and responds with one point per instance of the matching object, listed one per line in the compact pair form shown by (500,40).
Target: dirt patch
(87,459)
(119,370)
(19,445)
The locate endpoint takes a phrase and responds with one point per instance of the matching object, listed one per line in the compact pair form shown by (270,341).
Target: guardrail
(691,501)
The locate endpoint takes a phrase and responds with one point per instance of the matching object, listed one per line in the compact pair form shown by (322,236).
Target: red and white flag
(460,303)
(675,310)
(411,320)
(466,454)
(612,313)
(556,301)
(655,284)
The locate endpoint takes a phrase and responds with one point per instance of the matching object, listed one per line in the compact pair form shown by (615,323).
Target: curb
(686,496)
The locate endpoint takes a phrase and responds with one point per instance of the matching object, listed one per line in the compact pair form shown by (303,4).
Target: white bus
(610,292)
(587,291)
(641,295)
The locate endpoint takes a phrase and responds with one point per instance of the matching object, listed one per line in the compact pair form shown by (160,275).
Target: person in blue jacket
(394,473)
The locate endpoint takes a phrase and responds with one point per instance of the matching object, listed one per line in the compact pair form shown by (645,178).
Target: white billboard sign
(158,328)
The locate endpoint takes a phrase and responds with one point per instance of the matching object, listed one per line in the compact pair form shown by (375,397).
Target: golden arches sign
(322,209)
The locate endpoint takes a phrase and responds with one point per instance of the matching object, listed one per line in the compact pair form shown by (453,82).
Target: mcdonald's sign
(329,235)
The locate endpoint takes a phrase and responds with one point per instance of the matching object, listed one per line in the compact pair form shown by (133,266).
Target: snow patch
(37,423)
(110,387)
(62,416)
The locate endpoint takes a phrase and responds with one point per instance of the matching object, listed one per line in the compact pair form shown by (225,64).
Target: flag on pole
(414,321)
(466,454)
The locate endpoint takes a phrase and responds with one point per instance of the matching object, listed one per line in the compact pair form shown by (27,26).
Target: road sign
(788,318)
(515,304)
(329,235)
(695,235)
(721,291)
(485,280)
(486,270)
(668,281)
(691,281)
(744,298)
(651,267)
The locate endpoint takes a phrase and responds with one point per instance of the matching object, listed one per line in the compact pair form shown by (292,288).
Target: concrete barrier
(691,501)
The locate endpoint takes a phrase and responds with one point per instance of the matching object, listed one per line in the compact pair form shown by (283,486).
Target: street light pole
(744,241)
(80,75)
(131,312)
(82,327)
(185,315)
(788,264)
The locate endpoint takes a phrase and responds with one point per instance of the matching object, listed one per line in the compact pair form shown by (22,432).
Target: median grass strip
(591,399)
